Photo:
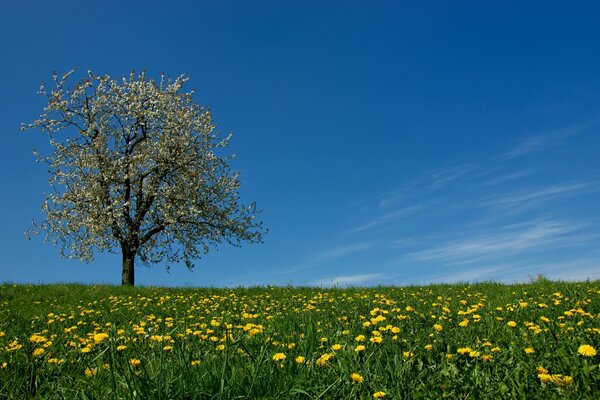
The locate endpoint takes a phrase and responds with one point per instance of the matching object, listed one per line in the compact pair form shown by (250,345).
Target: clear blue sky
(387,142)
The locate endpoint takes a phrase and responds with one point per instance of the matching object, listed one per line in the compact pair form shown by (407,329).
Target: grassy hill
(458,341)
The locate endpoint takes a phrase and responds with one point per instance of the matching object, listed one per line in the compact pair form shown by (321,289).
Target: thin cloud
(387,218)
(346,280)
(524,199)
(443,178)
(543,141)
(507,240)
(508,177)
(330,255)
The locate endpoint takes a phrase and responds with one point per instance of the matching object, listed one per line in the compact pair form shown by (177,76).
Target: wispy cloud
(444,177)
(387,218)
(504,241)
(346,280)
(329,255)
(534,197)
(543,141)
(508,177)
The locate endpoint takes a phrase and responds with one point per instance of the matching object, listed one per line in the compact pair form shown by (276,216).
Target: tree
(135,168)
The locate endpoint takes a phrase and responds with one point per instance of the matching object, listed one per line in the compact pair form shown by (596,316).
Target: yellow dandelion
(38,352)
(121,347)
(356,378)
(99,337)
(336,347)
(90,371)
(541,370)
(438,327)
(376,339)
(134,362)
(279,357)
(300,360)
(512,324)
(586,350)
(359,348)
(379,395)
(195,363)
(529,350)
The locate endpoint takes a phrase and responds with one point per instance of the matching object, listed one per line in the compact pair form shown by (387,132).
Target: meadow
(462,341)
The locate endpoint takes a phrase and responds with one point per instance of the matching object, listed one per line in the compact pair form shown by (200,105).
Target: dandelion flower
(512,324)
(279,357)
(356,378)
(529,350)
(586,350)
(90,371)
(134,362)
(99,337)
(194,363)
(437,327)
(300,360)
(379,395)
(336,347)
(359,348)
(38,352)
(121,347)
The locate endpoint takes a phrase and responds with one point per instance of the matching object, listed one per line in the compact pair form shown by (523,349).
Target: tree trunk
(128,275)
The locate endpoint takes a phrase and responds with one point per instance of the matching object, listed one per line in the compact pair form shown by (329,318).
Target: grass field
(461,341)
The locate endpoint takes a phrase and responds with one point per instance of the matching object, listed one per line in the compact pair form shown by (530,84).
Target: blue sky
(386,142)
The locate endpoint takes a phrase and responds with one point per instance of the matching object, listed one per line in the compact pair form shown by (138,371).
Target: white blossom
(136,168)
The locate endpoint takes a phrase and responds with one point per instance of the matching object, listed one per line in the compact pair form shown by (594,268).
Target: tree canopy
(136,167)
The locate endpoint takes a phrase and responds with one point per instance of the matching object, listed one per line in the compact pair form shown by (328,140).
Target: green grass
(221,343)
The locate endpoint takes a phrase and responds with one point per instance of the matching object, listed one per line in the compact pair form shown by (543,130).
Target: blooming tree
(135,168)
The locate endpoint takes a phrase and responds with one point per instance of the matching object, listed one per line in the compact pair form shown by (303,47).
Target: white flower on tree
(135,168)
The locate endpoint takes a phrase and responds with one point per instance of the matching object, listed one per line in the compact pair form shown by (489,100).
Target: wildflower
(220,347)
(407,354)
(437,327)
(512,324)
(300,360)
(56,361)
(90,371)
(38,352)
(586,350)
(379,395)
(99,337)
(121,347)
(356,378)
(474,354)
(428,347)
(336,347)
(167,348)
(194,363)
(86,349)
(134,362)
(529,350)
(322,361)
(279,357)
(545,377)
(359,338)
(359,348)
(464,350)
(37,339)
(541,370)
(487,358)
(376,339)
(4,365)
(496,350)
(463,323)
